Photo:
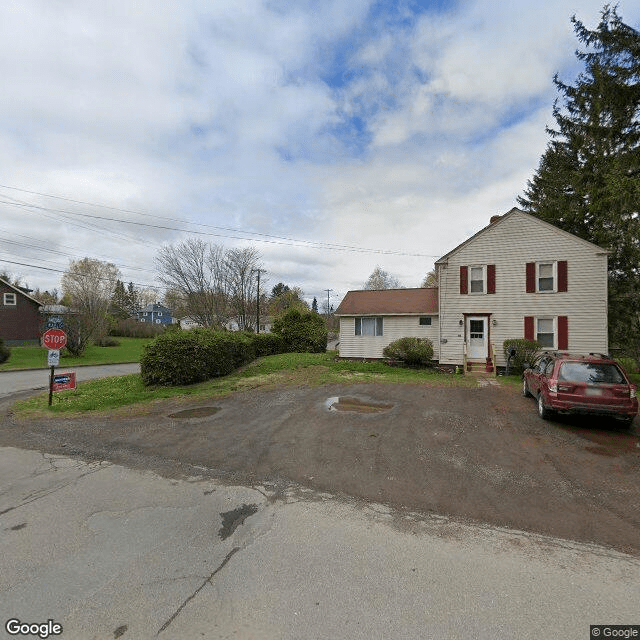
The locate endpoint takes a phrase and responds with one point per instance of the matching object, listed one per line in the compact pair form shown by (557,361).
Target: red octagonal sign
(54,339)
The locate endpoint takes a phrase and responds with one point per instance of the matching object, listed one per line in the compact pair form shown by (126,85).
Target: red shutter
(491,278)
(464,280)
(528,328)
(531,277)
(562,276)
(563,333)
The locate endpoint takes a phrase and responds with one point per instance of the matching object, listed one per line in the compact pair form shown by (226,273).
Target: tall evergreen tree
(588,180)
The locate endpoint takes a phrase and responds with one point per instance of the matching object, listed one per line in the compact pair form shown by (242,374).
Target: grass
(35,357)
(289,370)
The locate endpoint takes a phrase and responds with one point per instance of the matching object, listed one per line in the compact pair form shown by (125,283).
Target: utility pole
(258,299)
(328,305)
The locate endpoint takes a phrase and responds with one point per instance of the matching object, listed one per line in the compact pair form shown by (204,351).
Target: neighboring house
(188,323)
(519,277)
(20,320)
(370,320)
(155,314)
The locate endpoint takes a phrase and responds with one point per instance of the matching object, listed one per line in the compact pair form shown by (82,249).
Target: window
(545,278)
(158,321)
(159,313)
(545,332)
(368,326)
(476,279)
(425,322)
(10,299)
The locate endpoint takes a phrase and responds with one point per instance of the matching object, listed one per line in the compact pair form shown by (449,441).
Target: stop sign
(54,339)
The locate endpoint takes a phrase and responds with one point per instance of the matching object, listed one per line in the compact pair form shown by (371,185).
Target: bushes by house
(301,332)
(526,351)
(5,352)
(413,352)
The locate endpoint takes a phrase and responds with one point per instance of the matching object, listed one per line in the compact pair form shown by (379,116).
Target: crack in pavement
(48,493)
(207,580)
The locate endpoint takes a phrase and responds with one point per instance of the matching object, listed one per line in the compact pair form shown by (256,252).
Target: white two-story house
(519,277)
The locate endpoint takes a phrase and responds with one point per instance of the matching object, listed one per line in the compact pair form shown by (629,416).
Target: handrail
(464,358)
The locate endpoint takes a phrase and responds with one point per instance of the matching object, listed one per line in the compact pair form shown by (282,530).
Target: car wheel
(543,412)
(626,423)
(525,388)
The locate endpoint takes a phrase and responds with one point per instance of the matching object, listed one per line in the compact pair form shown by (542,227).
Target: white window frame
(554,265)
(10,296)
(484,279)
(378,326)
(553,319)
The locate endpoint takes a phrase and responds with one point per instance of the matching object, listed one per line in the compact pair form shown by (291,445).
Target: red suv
(593,384)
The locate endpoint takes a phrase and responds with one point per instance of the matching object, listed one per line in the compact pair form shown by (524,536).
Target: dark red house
(20,319)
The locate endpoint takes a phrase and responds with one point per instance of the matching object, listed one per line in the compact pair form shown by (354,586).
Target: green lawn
(291,369)
(129,350)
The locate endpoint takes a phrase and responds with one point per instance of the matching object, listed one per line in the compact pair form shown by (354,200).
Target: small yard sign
(53,358)
(63,381)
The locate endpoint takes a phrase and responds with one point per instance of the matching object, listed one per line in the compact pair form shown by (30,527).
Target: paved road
(15,381)
(110,552)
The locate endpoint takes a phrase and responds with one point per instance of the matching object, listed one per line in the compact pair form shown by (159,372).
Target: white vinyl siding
(361,346)
(510,244)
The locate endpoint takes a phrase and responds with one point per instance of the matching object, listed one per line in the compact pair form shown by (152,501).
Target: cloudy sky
(334,136)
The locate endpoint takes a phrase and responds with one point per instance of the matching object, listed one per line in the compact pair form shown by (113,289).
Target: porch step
(485,366)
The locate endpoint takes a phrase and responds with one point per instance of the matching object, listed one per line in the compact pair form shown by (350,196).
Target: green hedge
(301,332)
(526,351)
(187,357)
(412,351)
(268,344)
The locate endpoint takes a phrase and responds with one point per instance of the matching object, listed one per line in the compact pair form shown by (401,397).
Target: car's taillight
(633,391)
(553,386)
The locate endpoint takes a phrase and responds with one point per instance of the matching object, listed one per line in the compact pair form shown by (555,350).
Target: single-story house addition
(370,320)
(518,277)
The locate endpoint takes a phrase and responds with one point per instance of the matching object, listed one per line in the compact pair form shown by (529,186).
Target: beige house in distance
(519,277)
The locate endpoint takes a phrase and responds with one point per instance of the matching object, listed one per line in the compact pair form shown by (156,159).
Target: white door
(476,338)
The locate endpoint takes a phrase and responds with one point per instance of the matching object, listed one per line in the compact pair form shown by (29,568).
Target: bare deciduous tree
(89,284)
(240,268)
(212,284)
(380,279)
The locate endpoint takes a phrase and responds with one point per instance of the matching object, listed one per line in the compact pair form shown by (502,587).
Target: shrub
(412,351)
(302,332)
(131,328)
(526,351)
(268,344)
(185,357)
(5,352)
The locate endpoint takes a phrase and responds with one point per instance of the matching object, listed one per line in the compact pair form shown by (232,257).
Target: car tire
(625,424)
(543,411)
(525,389)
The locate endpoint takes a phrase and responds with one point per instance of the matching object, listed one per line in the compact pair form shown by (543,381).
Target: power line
(274,239)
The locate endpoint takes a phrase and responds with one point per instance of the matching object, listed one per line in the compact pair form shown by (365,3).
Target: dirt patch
(477,454)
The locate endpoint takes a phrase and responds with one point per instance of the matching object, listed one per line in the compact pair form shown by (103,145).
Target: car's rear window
(589,372)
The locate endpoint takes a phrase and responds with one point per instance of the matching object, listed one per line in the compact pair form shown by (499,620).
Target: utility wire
(274,239)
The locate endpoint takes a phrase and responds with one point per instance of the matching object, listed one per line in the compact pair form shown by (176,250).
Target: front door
(477,338)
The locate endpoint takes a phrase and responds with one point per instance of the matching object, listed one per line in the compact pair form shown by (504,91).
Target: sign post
(54,340)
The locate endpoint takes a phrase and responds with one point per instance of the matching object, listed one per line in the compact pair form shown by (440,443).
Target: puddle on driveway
(196,412)
(357,405)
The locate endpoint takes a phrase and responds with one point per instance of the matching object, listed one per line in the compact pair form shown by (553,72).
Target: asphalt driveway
(476,454)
